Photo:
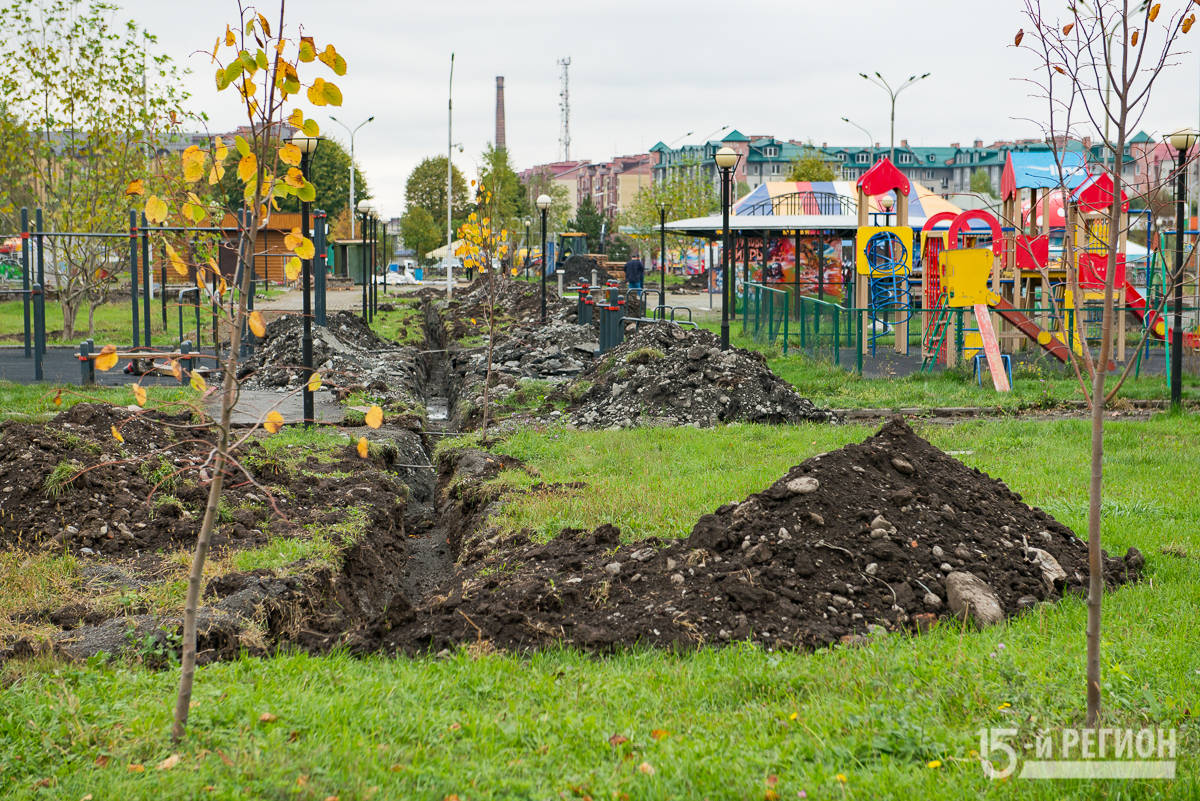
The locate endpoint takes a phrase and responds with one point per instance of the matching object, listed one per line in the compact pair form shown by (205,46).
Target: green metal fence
(823,329)
(765,315)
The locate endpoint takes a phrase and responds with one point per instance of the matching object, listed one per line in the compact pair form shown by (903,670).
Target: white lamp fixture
(364,206)
(307,144)
(543,202)
(725,158)
(1182,139)
(886,202)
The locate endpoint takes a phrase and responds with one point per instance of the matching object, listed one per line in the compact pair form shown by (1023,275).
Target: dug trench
(890,535)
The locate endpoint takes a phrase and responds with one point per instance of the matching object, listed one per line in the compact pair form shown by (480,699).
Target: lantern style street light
(364,209)
(1182,140)
(543,204)
(307,146)
(726,160)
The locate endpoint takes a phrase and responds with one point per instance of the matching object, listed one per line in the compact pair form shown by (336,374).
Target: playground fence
(766,314)
(823,329)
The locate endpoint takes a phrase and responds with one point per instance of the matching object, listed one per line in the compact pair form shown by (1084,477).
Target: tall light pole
(528,247)
(450,181)
(364,208)
(543,204)
(870,139)
(726,159)
(307,146)
(352,133)
(883,84)
(1182,140)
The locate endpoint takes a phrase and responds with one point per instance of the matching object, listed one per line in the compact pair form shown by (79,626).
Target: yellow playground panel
(901,232)
(964,275)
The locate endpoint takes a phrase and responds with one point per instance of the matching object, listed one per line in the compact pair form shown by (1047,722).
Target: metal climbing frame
(888,292)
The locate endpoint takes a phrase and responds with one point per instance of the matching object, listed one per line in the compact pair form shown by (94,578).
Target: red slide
(1137,303)
(1029,328)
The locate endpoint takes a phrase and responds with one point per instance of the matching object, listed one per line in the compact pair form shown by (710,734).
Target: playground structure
(883,258)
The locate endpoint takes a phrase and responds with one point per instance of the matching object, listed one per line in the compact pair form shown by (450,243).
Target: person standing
(635,272)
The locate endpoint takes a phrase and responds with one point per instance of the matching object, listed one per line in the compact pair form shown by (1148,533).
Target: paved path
(253,405)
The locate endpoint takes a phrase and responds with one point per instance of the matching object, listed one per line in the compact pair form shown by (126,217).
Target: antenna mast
(564,138)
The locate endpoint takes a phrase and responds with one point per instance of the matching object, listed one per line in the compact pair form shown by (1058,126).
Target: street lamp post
(870,139)
(352,133)
(1182,140)
(543,204)
(307,146)
(528,248)
(883,84)
(364,208)
(662,259)
(726,159)
(886,203)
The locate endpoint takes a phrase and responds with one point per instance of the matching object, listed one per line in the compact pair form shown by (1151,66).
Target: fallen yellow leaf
(137,768)
(274,422)
(646,768)
(107,359)
(117,434)
(169,762)
(374,417)
(267,717)
(363,447)
(257,324)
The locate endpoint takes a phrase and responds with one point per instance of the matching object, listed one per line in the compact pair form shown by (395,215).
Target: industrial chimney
(499,112)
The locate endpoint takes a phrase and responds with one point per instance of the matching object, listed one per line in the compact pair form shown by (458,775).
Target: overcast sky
(652,70)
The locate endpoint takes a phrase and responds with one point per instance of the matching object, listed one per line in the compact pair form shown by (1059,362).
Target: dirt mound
(70,485)
(350,352)
(887,535)
(668,375)
(517,303)
(579,268)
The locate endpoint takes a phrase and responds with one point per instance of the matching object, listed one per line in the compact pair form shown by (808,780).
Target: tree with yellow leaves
(484,248)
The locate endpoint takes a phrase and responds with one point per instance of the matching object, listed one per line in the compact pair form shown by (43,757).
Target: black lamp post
(662,259)
(726,158)
(374,220)
(1182,140)
(307,146)
(364,208)
(543,204)
(528,247)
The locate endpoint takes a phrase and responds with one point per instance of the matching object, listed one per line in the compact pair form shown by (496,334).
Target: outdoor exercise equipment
(883,258)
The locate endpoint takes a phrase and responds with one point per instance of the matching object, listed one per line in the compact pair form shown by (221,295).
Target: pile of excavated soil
(671,376)
(149,491)
(883,536)
(347,350)
(516,302)
(579,268)
(69,486)
(552,351)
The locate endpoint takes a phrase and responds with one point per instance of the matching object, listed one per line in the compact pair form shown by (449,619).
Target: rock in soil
(672,376)
(793,566)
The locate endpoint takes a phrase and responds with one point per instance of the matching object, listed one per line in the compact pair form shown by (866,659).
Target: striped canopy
(922,203)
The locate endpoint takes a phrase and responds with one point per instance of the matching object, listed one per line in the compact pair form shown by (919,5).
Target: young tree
(85,107)
(811,165)
(496,173)
(483,248)
(1122,45)
(269,170)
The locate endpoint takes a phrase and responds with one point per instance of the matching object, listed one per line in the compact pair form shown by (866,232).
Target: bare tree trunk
(228,399)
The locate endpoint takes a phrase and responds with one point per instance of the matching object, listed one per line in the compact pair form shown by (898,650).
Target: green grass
(407,316)
(23,400)
(1046,384)
(714,724)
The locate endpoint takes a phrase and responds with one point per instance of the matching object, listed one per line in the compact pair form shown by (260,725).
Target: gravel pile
(349,353)
(666,375)
(884,536)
